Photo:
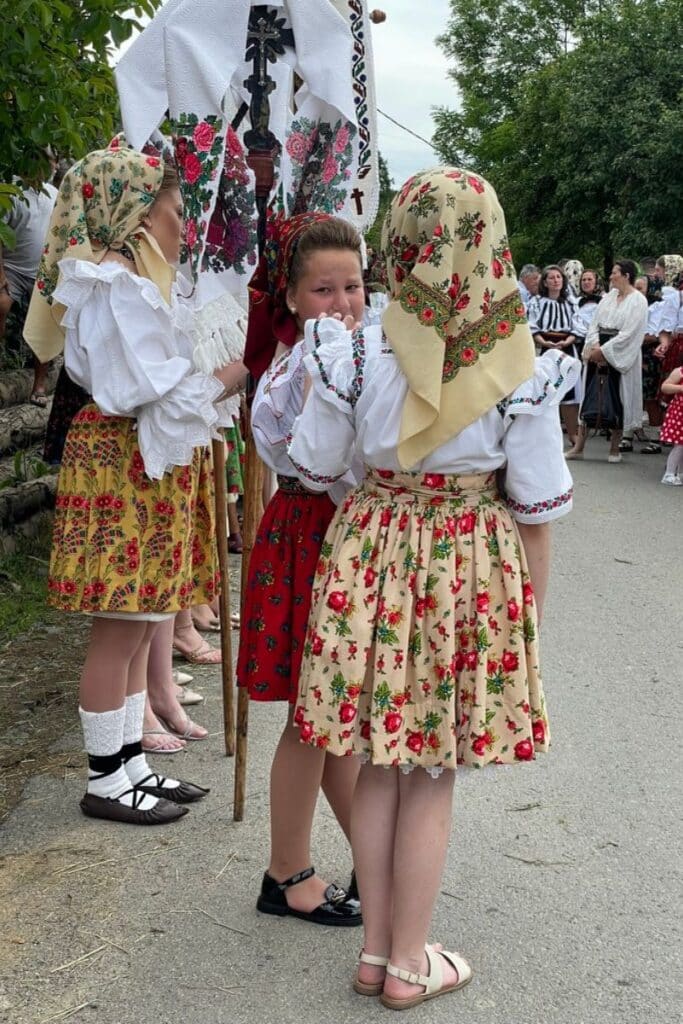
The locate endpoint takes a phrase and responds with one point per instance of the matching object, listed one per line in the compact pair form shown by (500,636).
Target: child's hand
(348,321)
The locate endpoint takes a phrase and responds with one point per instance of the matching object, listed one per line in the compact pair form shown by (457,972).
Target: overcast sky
(410,76)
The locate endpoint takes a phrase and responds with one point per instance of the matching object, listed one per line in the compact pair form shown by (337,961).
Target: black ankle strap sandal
(336,910)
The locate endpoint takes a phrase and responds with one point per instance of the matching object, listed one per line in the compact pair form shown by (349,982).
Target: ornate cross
(267,38)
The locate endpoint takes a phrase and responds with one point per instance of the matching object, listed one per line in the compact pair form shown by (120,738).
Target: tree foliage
(56,79)
(573,112)
(386,194)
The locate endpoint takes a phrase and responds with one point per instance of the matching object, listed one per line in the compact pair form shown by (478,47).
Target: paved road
(563,878)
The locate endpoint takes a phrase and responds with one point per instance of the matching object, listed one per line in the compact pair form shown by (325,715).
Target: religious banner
(290,81)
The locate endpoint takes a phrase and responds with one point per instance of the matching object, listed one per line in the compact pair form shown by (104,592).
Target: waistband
(434,487)
(292,485)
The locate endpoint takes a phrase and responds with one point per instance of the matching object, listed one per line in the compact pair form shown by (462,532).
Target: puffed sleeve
(538,483)
(278,401)
(670,307)
(123,345)
(323,436)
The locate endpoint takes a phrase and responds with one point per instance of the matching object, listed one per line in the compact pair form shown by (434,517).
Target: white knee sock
(674,464)
(103,735)
(134,758)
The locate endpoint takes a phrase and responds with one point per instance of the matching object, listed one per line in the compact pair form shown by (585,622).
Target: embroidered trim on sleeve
(538,507)
(315,478)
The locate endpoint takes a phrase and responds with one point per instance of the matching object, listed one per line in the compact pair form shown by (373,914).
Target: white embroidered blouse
(132,352)
(355,406)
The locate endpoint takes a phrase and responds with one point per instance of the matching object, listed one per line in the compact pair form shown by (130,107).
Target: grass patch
(23,587)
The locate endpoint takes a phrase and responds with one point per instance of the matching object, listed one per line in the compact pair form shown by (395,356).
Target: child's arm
(536,541)
(673,385)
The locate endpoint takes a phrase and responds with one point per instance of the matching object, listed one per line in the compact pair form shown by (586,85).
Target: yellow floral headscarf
(101,203)
(455,321)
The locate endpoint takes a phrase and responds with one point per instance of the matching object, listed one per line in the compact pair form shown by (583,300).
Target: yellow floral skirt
(422,640)
(123,542)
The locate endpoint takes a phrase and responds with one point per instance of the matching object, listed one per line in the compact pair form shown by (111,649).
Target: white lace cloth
(132,352)
(351,414)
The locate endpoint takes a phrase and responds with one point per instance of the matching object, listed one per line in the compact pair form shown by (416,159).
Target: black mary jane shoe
(337,910)
(183,793)
(162,813)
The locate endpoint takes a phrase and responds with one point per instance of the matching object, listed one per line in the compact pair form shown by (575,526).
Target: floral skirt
(278,593)
(123,542)
(234,463)
(422,639)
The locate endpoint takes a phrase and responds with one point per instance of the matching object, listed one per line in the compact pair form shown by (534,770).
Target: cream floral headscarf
(673,265)
(456,321)
(101,203)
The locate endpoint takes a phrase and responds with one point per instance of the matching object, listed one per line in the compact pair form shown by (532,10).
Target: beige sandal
(364,988)
(432,982)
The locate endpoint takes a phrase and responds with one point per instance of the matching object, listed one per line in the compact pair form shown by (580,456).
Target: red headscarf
(270,321)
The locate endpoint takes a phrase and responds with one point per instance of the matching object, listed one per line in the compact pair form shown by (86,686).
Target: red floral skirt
(278,594)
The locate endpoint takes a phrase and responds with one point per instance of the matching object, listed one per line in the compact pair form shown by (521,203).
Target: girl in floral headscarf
(133,532)
(421,650)
(311,267)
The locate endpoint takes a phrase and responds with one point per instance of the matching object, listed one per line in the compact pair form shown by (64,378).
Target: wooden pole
(228,680)
(253,486)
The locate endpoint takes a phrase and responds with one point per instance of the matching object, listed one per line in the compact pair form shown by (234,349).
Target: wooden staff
(253,485)
(218,448)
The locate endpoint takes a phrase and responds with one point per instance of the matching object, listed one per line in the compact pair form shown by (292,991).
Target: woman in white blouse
(552,323)
(133,534)
(622,314)
(421,650)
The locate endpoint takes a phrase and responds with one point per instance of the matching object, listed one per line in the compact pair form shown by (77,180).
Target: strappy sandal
(651,448)
(203,654)
(432,982)
(366,988)
(186,734)
(147,749)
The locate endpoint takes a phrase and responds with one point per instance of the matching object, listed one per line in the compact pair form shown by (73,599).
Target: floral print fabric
(123,542)
(455,321)
(422,639)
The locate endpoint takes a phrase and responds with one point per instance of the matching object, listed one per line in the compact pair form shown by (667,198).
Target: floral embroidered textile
(456,322)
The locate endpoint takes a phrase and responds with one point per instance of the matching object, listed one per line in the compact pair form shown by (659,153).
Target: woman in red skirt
(311,268)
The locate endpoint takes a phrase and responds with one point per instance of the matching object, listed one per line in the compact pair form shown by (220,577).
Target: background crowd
(630,332)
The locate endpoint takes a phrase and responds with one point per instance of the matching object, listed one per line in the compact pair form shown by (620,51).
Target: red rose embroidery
(347,713)
(479,745)
(475,183)
(306,731)
(538,729)
(513,610)
(467,522)
(438,231)
(510,661)
(385,474)
(427,253)
(385,518)
(203,136)
(191,233)
(427,316)
(471,660)
(392,721)
(415,742)
(337,601)
(497,268)
(528,593)
(524,750)
(299,716)
(503,327)
(483,602)
(434,480)
(463,302)
(317,646)
(468,355)
(192,169)
(365,730)
(88,190)
(369,577)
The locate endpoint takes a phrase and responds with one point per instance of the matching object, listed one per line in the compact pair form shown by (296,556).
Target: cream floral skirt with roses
(422,640)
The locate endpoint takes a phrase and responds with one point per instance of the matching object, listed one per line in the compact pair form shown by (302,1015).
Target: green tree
(583,148)
(56,79)
(386,194)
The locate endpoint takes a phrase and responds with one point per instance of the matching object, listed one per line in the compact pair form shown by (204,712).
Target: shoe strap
(300,876)
(370,958)
(152,780)
(409,976)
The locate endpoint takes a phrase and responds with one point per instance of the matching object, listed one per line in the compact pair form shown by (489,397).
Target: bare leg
(159,679)
(570,417)
(188,641)
(373,827)
(137,671)
(39,377)
(580,443)
(421,840)
(295,778)
(113,646)
(162,689)
(614,439)
(338,783)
